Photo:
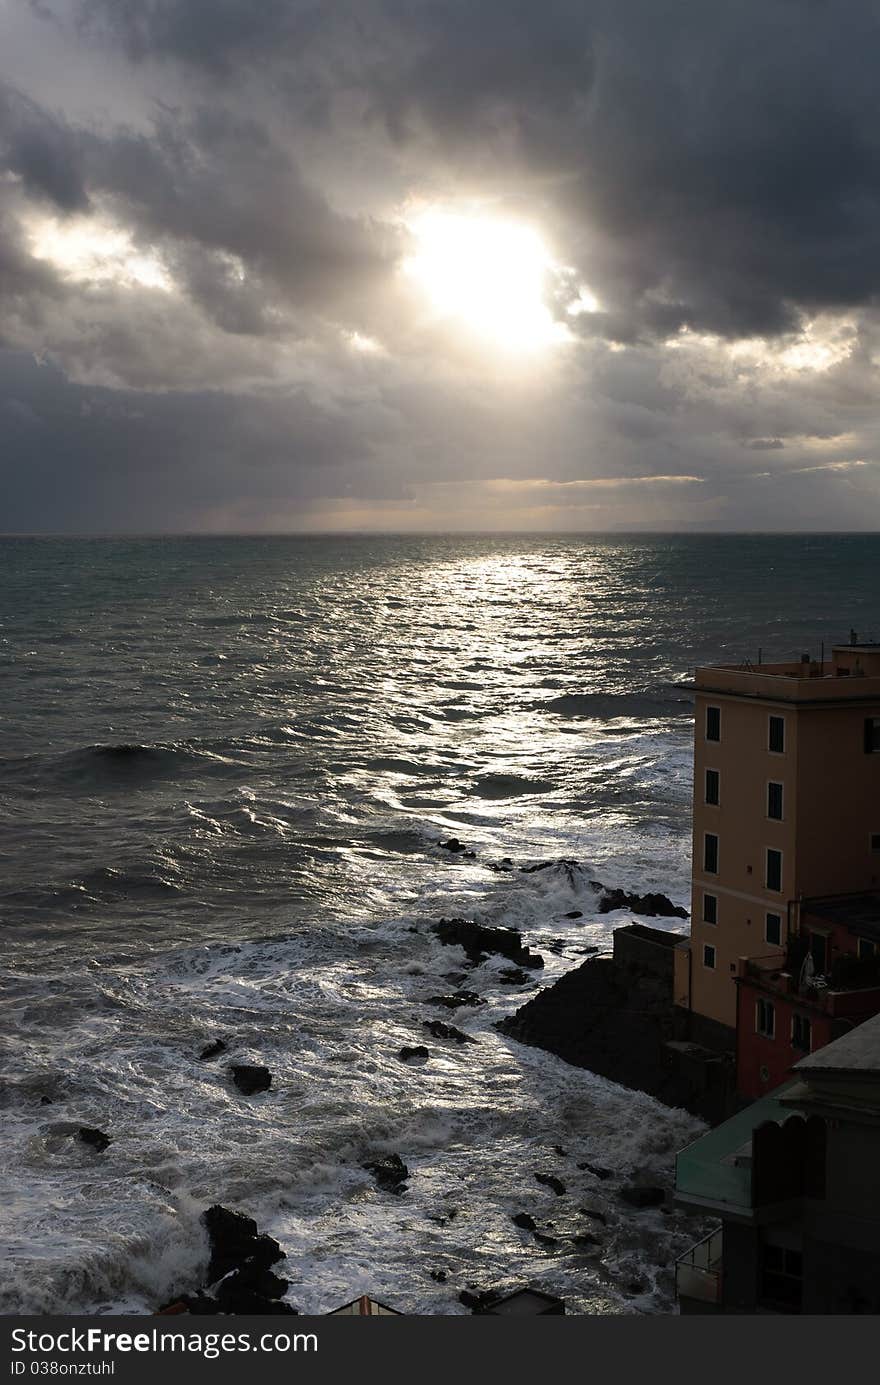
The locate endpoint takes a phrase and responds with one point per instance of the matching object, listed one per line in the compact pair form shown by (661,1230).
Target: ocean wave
(606,706)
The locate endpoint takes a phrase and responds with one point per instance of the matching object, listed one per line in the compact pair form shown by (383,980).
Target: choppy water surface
(226,765)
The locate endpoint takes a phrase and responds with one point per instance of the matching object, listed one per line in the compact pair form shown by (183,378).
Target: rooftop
(716,1170)
(860,913)
(856,1052)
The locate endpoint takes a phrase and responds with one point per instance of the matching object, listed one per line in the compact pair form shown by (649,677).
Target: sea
(226,768)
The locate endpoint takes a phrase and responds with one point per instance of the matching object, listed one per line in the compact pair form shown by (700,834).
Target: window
(713,787)
(866,949)
(800,1032)
(773,877)
(872,735)
(765,1019)
(713,723)
(710,908)
(774,801)
(781,1277)
(776,735)
(710,853)
(875,841)
(709,956)
(773,929)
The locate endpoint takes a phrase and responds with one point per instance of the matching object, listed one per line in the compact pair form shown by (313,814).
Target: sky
(434,265)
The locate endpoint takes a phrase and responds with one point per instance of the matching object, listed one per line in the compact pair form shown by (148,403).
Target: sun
(488,274)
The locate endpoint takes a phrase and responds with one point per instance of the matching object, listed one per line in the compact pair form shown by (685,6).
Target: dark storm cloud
(699,166)
(42,151)
(719,164)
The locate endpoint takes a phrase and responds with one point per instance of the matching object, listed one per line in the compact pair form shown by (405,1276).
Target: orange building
(786,807)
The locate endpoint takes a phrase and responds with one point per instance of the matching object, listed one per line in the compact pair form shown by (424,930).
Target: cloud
(206,246)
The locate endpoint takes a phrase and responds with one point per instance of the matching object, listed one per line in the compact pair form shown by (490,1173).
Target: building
(793,1179)
(786,809)
(827,982)
(365,1307)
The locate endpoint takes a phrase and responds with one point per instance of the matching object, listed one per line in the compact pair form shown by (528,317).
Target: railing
(698,1271)
(835,991)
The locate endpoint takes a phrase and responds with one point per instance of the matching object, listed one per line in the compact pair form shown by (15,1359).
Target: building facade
(793,1179)
(786,807)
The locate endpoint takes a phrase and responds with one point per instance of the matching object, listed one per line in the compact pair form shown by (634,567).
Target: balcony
(850,987)
(698,1271)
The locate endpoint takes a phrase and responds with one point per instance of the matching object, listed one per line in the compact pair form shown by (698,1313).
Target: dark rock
(212,1050)
(246,1289)
(545,1240)
(573,914)
(591,1212)
(439,1276)
(648,905)
(642,1195)
(513,976)
(549,1181)
(390,1173)
(95,1139)
(419,1051)
(447,1031)
(478,941)
(234,1241)
(525,1221)
(452,1002)
(45,1101)
(557,1149)
(597,1170)
(458,849)
(250,1078)
(564,864)
(636,1286)
(585,1240)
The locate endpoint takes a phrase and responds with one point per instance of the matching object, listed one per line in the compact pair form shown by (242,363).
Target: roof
(860,913)
(858,1052)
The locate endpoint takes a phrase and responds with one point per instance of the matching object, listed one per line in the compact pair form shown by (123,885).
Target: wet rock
(212,1050)
(439,1276)
(458,849)
(564,864)
(95,1139)
(418,1052)
(573,914)
(642,1195)
(479,941)
(447,1031)
(648,905)
(543,1240)
(251,1077)
(452,1002)
(525,1221)
(597,1170)
(557,1149)
(513,976)
(247,1289)
(390,1173)
(591,1212)
(584,1240)
(637,1287)
(235,1241)
(555,1184)
(45,1101)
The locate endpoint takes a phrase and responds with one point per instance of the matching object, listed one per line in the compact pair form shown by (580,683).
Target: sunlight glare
(489,274)
(87,250)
